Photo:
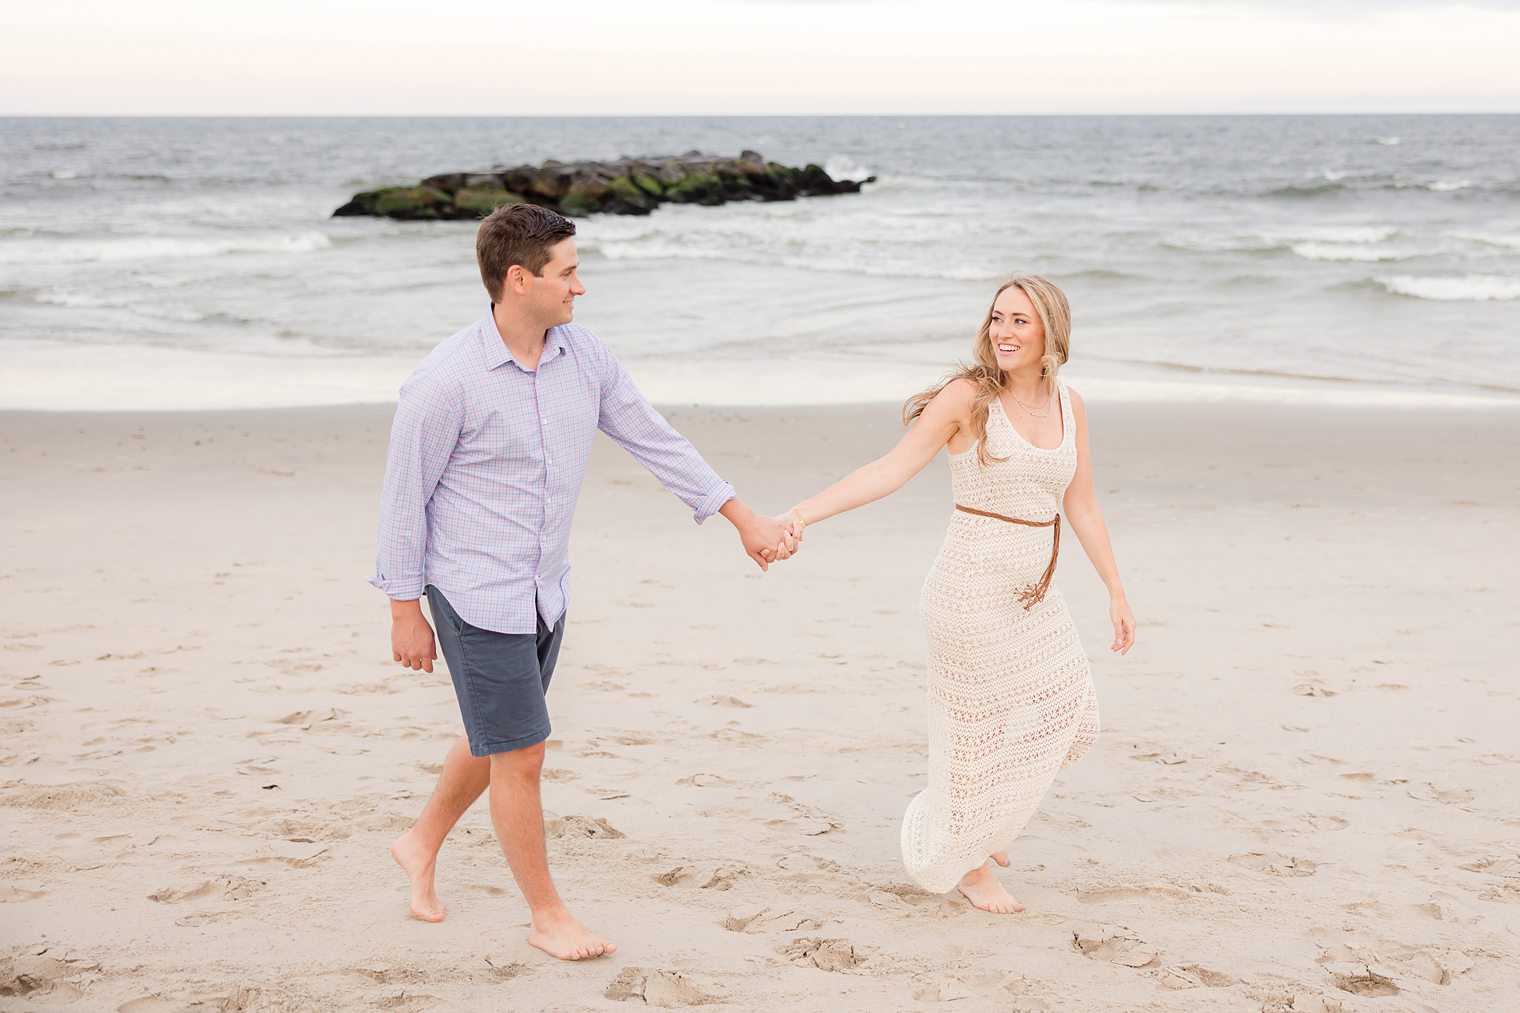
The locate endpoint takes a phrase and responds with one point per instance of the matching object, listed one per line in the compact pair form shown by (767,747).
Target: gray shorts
(500,679)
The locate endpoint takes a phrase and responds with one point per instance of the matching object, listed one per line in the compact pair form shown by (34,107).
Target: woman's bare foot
(559,935)
(418,864)
(1001,858)
(983,890)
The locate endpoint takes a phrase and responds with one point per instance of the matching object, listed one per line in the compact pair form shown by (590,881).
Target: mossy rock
(551,183)
(448,182)
(482,200)
(586,196)
(644,181)
(627,198)
(670,173)
(410,202)
(695,188)
(814,179)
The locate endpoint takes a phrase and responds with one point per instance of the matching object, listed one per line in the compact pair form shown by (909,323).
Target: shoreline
(135,379)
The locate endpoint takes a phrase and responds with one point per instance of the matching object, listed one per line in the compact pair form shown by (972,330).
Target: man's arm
(635,426)
(423,436)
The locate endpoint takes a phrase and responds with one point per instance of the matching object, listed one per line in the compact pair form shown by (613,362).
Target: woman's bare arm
(1086,519)
(944,416)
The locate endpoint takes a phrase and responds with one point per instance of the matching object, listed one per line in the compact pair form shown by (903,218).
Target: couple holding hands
(490,443)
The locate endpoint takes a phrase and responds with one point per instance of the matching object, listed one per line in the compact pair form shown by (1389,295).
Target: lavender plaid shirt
(485,467)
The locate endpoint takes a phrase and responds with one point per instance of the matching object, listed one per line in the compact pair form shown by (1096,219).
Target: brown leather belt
(1035,593)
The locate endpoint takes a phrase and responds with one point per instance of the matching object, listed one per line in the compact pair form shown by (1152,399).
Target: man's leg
(518,815)
(463,780)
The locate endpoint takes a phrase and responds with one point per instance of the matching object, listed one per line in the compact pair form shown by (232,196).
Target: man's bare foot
(559,935)
(1001,858)
(418,863)
(983,890)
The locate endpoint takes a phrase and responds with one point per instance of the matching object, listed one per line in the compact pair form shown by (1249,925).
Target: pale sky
(735,57)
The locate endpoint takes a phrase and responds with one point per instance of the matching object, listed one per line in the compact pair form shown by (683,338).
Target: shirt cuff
(714,502)
(399,588)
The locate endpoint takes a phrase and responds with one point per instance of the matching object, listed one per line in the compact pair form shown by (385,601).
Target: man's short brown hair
(517,234)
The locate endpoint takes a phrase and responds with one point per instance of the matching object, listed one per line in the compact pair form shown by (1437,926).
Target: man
(488,450)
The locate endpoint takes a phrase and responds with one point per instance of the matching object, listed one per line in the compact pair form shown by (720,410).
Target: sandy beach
(1304,798)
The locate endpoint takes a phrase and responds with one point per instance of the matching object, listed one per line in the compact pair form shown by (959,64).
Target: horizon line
(749,115)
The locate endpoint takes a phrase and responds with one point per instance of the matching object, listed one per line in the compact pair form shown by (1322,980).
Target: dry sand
(1305,796)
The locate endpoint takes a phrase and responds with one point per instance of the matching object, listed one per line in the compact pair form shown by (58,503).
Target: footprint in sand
(1289,1002)
(1179,976)
(223,887)
(505,971)
(1361,979)
(402,1002)
(725,701)
(13,894)
(1168,757)
(583,826)
(1323,821)
(1438,966)
(767,920)
(76,797)
(1096,894)
(808,821)
(308,718)
(664,989)
(1428,792)
(155,1003)
(199,918)
(704,876)
(1502,882)
(707,781)
(1314,689)
(391,975)
(37,971)
(835,955)
(1275,864)
(1115,944)
(296,854)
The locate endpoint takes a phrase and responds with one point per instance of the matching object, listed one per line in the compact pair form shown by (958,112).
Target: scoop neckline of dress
(1061,396)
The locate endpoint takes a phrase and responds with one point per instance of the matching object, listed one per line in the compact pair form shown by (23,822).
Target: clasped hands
(770,540)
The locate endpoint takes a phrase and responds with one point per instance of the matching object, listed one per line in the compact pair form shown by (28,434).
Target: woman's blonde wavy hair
(1054,311)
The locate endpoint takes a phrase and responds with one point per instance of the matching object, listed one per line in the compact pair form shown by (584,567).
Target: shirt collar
(498,354)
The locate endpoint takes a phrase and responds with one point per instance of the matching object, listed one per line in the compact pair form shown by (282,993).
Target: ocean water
(192,263)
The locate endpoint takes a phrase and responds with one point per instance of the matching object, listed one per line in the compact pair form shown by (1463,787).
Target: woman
(1011,701)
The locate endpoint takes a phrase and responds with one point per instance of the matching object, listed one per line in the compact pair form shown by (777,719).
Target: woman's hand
(1124,624)
(791,538)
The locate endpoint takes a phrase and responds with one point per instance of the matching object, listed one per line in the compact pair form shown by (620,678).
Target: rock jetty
(629,186)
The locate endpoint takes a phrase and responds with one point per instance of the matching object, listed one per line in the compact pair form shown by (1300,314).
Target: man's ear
(517,279)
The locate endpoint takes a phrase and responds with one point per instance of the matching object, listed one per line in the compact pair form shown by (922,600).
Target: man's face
(553,292)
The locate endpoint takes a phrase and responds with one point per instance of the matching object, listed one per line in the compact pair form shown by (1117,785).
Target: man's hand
(791,536)
(765,539)
(411,637)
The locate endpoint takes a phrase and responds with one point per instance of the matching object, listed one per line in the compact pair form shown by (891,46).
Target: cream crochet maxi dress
(1011,700)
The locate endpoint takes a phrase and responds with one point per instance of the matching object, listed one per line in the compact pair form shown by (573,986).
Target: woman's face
(1018,337)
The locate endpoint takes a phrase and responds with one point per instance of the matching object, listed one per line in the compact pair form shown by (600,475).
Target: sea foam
(1448,288)
(1343,251)
(155,248)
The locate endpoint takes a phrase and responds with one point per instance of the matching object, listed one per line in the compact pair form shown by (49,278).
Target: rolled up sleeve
(423,436)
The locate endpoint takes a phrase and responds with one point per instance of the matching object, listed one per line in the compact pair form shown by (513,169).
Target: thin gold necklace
(1028,409)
